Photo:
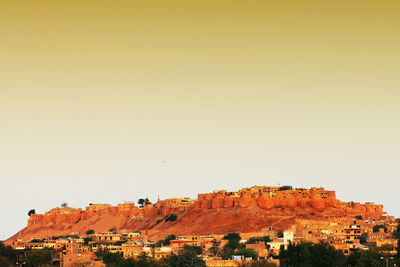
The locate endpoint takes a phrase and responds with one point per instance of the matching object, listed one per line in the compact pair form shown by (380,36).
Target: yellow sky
(96,95)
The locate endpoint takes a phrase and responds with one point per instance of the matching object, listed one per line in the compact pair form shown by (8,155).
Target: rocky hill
(219,212)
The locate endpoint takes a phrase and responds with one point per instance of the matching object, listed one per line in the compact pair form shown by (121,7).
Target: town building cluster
(345,235)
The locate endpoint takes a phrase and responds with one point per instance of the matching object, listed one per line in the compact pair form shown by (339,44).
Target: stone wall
(261,196)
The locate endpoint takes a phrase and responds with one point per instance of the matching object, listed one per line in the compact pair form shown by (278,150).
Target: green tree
(363,238)
(90,232)
(86,240)
(39,258)
(141,262)
(366,258)
(99,253)
(262,263)
(35,240)
(7,255)
(233,241)
(112,258)
(232,245)
(324,254)
(266,239)
(141,202)
(4,262)
(185,259)
(396,233)
(285,187)
(30,212)
(296,255)
(195,249)
(311,255)
(376,228)
(353,258)
(117,260)
(172,217)
(143,256)
(247,253)
(232,236)
(215,248)
(167,240)
(280,234)
(254,240)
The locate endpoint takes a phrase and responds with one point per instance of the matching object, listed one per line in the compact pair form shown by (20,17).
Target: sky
(111,101)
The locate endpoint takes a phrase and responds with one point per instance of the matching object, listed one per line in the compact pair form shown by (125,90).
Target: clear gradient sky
(106,101)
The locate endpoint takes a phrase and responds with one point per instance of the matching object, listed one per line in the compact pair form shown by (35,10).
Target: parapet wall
(263,197)
(71,215)
(270,197)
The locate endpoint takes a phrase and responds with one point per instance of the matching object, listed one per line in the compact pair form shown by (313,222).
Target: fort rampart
(263,197)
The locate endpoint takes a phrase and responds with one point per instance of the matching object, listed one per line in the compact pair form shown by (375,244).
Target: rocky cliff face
(249,209)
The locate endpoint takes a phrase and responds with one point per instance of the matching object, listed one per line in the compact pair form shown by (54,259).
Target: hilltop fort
(247,210)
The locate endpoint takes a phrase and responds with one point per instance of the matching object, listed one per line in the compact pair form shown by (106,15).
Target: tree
(363,238)
(40,257)
(263,263)
(385,249)
(86,240)
(366,258)
(64,204)
(7,255)
(5,262)
(353,258)
(172,217)
(247,253)
(185,259)
(232,236)
(141,202)
(396,235)
(167,240)
(117,260)
(195,249)
(326,255)
(112,258)
(232,245)
(36,240)
(147,201)
(280,234)
(266,239)
(376,228)
(254,240)
(311,255)
(296,255)
(285,187)
(90,232)
(143,256)
(32,211)
(99,252)
(215,248)
(80,263)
